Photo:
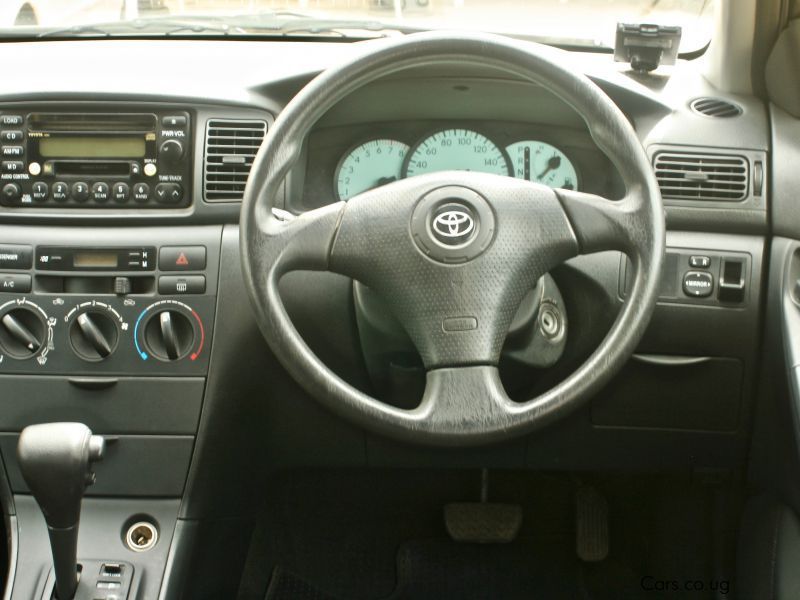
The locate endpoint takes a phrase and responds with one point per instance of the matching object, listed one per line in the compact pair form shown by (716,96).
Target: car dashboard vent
(704,177)
(231,146)
(715,107)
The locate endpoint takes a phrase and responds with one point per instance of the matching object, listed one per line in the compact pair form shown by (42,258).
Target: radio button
(182,258)
(13,256)
(60,191)
(11,120)
(11,135)
(169,193)
(171,151)
(13,166)
(80,191)
(150,169)
(13,151)
(101,192)
(39,191)
(121,192)
(174,121)
(11,194)
(34,169)
(141,192)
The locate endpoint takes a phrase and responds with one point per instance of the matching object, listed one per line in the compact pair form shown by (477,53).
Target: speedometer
(459,150)
(542,163)
(369,165)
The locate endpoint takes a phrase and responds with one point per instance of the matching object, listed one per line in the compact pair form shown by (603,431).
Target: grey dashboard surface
(224,78)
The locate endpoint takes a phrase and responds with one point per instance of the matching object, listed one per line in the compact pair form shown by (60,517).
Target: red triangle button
(182,260)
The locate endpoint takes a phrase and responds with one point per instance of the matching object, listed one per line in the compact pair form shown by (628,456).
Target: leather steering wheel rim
(457,332)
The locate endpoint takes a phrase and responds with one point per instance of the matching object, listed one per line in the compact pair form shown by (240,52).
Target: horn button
(452,224)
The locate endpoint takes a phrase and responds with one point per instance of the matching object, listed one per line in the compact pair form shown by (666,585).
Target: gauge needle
(553,163)
(385,180)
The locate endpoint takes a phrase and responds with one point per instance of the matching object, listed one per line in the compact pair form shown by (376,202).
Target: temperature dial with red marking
(169,330)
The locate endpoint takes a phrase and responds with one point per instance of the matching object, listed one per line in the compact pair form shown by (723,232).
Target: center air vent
(709,177)
(715,107)
(231,146)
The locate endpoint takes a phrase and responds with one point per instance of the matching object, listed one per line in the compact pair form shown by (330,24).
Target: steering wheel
(452,253)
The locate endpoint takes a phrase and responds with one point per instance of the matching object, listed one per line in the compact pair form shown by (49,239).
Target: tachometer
(456,149)
(369,165)
(543,163)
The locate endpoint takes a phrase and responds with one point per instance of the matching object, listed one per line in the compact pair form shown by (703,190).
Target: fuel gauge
(543,163)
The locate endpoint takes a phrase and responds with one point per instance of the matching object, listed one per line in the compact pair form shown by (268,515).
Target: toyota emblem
(453,225)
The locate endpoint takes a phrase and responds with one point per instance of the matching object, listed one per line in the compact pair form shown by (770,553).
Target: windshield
(573,22)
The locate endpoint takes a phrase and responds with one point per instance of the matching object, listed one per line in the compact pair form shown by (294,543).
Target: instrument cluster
(380,160)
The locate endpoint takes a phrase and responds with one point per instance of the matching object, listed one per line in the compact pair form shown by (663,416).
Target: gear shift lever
(55,460)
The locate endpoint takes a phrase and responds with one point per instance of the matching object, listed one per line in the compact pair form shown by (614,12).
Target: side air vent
(709,177)
(715,107)
(231,146)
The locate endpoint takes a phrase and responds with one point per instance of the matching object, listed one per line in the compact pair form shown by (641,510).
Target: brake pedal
(483,522)
(591,524)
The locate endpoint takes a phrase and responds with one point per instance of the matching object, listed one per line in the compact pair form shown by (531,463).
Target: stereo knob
(169,335)
(171,151)
(93,335)
(23,333)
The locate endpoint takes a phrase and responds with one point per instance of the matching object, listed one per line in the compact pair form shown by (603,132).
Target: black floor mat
(344,535)
(435,569)
(440,568)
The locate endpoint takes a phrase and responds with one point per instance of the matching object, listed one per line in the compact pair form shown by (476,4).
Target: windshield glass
(579,22)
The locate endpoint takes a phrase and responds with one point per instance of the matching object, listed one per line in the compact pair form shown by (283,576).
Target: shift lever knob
(55,460)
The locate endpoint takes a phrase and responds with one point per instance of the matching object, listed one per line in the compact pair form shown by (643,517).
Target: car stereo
(95,159)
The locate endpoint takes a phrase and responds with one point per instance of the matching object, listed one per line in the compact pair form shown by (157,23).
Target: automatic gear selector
(56,462)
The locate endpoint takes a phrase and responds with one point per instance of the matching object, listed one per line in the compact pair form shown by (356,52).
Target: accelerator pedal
(591,524)
(483,522)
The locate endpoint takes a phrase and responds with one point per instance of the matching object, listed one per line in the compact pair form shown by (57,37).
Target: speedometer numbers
(542,163)
(458,150)
(370,165)
(380,161)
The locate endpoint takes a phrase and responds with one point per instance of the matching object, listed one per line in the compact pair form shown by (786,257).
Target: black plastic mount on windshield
(646,46)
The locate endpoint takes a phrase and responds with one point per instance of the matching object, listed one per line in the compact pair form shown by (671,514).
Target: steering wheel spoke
(602,224)
(291,244)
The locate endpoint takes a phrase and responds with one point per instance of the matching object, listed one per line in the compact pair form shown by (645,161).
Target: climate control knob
(169,335)
(23,333)
(93,335)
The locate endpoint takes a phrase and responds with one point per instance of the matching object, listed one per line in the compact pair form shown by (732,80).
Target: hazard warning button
(182,258)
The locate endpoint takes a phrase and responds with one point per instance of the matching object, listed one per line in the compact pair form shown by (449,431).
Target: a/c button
(15,283)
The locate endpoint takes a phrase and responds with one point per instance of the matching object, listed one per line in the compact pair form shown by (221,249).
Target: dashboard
(166,356)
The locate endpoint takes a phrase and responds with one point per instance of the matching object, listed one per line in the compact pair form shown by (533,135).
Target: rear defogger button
(698,284)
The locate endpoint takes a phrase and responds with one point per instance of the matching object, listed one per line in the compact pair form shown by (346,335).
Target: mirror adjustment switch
(699,262)
(698,284)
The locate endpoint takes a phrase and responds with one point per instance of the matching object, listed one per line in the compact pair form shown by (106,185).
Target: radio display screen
(95,260)
(79,146)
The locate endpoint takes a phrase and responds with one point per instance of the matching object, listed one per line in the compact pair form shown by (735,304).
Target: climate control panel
(101,320)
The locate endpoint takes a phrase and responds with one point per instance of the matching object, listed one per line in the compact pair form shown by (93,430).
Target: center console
(110,327)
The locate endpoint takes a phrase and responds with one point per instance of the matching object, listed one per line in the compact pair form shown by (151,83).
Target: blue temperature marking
(136,335)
